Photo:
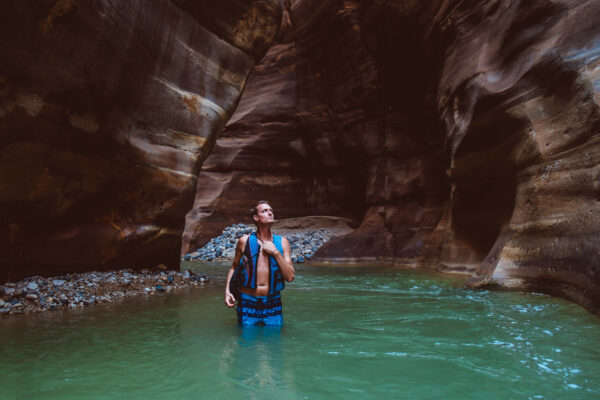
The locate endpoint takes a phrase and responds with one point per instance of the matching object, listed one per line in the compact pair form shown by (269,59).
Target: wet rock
(31,296)
(2,302)
(32,286)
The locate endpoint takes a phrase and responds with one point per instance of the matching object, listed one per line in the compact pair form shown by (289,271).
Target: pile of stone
(305,244)
(222,248)
(36,294)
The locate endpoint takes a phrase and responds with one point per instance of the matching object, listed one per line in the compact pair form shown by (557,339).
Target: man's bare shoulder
(285,243)
(242,241)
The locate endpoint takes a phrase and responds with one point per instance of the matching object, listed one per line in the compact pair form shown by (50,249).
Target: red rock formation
(108,109)
(464,135)
(461,135)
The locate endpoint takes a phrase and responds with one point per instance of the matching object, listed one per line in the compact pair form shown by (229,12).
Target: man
(262,262)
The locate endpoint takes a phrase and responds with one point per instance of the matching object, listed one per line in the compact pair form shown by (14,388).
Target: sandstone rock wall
(463,136)
(108,109)
(458,135)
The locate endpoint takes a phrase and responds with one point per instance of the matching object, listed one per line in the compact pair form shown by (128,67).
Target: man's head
(262,213)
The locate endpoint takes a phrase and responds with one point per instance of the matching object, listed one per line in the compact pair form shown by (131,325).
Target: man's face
(264,214)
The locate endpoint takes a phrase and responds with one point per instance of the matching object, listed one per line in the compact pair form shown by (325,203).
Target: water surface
(349,333)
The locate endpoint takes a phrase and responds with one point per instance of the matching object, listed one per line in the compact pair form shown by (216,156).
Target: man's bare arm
(239,250)
(284,260)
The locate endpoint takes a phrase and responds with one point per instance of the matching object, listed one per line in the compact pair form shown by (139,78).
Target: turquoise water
(349,333)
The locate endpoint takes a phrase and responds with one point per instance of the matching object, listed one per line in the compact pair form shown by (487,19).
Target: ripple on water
(356,333)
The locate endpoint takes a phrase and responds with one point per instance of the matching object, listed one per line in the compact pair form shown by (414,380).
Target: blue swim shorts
(254,310)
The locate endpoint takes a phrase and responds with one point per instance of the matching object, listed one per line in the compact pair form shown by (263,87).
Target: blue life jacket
(247,266)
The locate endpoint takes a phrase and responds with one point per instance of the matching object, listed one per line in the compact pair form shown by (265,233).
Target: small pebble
(31,296)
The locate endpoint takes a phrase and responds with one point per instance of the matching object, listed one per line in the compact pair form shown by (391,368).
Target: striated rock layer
(108,109)
(463,136)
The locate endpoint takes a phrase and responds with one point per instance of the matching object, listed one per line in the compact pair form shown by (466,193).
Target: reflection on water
(255,362)
(352,333)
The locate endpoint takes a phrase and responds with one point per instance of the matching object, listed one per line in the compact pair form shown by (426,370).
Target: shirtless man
(263,261)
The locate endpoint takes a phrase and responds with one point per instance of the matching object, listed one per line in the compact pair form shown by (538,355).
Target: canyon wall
(457,135)
(460,135)
(108,109)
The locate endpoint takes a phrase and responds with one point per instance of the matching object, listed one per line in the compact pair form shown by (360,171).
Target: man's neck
(263,232)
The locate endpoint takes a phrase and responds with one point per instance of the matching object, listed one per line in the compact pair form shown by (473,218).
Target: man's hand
(229,299)
(269,247)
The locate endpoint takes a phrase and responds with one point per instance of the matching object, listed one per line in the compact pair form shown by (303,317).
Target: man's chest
(262,265)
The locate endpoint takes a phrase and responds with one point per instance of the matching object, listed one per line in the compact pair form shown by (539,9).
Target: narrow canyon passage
(456,136)
(449,135)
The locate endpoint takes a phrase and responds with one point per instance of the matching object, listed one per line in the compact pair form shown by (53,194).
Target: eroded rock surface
(458,135)
(464,136)
(108,109)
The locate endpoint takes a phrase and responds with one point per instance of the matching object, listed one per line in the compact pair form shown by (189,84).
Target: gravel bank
(35,294)
(306,235)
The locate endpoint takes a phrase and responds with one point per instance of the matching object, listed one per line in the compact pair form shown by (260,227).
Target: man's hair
(254,210)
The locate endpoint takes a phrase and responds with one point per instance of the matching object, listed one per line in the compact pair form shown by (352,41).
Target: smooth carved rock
(464,136)
(108,109)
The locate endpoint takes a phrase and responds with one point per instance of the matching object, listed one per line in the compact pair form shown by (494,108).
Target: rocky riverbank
(71,291)
(306,235)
